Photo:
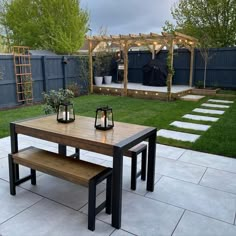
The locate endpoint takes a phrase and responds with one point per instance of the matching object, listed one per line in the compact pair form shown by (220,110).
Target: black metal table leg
(151,162)
(62,149)
(14,148)
(117,187)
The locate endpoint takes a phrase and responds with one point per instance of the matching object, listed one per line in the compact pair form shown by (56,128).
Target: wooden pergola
(155,42)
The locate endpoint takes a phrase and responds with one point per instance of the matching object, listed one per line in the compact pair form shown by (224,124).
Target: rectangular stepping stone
(220,101)
(214,105)
(178,135)
(203,118)
(208,111)
(191,97)
(187,125)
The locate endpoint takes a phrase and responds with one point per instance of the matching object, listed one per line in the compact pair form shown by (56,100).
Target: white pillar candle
(64,115)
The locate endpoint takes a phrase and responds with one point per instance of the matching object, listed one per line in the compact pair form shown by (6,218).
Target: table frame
(148,133)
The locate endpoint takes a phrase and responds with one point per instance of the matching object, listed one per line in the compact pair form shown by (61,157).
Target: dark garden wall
(54,72)
(48,72)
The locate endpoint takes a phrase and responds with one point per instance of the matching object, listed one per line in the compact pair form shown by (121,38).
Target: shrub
(54,98)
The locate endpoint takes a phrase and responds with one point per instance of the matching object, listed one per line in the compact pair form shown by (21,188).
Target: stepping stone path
(219,101)
(201,118)
(178,135)
(188,125)
(214,105)
(217,112)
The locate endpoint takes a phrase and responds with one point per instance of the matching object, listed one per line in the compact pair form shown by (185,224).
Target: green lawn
(219,139)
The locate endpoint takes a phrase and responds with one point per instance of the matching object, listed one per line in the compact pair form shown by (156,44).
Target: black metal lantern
(65,113)
(104,118)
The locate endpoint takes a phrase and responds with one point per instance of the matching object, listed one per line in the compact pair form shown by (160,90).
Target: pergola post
(170,68)
(125,51)
(191,67)
(91,66)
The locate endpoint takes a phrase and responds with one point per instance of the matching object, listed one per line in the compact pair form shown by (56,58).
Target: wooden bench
(73,170)
(133,153)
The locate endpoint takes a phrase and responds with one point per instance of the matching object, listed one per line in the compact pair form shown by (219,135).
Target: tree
(57,25)
(215,18)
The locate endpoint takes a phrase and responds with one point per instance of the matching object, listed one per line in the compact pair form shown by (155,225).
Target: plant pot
(98,80)
(108,79)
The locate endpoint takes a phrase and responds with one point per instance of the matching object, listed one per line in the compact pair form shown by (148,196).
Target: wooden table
(82,134)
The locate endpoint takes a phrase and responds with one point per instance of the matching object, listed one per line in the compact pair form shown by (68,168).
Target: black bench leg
(108,194)
(143,164)
(91,205)
(133,171)
(33,176)
(77,153)
(12,176)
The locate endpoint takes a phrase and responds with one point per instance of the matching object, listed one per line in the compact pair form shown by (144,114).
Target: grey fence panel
(7,82)
(54,72)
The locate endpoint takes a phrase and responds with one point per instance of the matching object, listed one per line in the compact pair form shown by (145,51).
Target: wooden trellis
(23,75)
(155,42)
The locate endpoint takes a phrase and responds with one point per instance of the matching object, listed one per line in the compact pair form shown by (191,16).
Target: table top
(81,133)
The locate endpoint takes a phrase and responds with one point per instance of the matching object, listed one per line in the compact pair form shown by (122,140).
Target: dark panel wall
(54,72)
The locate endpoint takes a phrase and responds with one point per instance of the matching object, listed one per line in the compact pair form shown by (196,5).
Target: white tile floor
(194,195)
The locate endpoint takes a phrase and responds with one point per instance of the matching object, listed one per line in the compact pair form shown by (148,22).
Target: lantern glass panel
(104,118)
(65,113)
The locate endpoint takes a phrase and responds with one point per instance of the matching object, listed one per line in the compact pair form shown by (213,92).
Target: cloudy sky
(128,16)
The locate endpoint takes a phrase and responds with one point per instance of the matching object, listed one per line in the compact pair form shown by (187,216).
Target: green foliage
(55,25)
(54,98)
(215,18)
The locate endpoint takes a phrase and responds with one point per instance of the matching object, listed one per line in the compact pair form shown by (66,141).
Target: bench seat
(73,170)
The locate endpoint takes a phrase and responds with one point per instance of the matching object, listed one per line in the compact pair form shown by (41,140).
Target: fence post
(45,74)
(64,63)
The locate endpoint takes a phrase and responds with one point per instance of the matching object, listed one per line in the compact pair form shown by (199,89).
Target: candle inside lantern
(64,115)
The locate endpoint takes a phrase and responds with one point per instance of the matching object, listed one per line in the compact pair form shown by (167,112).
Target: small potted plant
(107,61)
(98,68)
(54,98)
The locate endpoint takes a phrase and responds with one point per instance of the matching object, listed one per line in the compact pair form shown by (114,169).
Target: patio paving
(214,105)
(194,195)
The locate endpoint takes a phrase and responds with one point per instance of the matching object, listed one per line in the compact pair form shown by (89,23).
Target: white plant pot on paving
(187,125)
(220,101)
(203,118)
(98,80)
(214,105)
(209,111)
(108,79)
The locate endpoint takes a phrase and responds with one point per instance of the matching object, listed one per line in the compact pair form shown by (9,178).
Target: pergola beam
(149,40)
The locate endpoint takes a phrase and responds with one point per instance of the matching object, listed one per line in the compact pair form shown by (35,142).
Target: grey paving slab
(199,199)
(121,232)
(141,185)
(178,135)
(64,192)
(219,179)
(214,105)
(169,151)
(188,125)
(157,219)
(201,118)
(208,111)
(4,172)
(191,97)
(209,160)
(50,218)
(199,225)
(220,101)
(179,170)
(13,205)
